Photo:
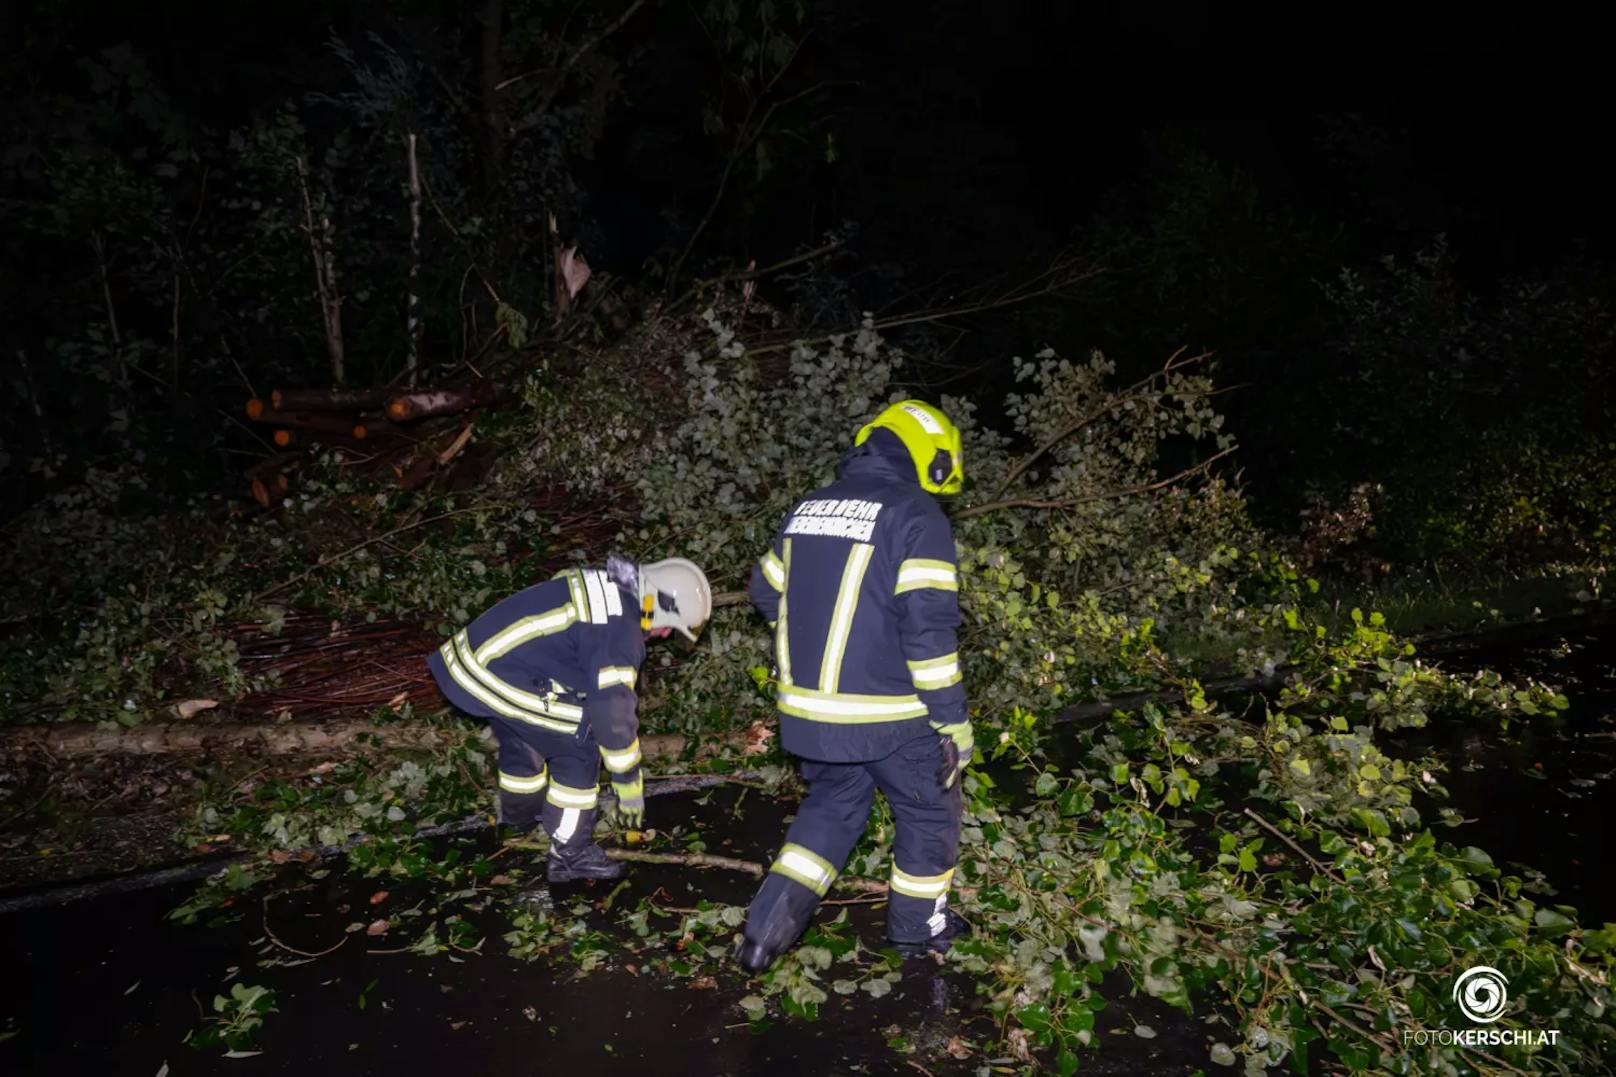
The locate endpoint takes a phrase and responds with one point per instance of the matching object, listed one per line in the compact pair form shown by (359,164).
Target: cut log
(425,403)
(349,439)
(83,739)
(270,488)
(327,399)
(268,479)
(305,420)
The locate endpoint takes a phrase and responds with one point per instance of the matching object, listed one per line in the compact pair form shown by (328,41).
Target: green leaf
(1119,773)
(1035,1018)
(1553,924)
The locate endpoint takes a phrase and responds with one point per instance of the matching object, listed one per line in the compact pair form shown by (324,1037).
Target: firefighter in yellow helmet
(861,588)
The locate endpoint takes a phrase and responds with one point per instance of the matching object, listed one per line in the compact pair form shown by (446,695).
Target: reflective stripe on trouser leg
(569,813)
(829,822)
(522,774)
(570,798)
(568,826)
(926,843)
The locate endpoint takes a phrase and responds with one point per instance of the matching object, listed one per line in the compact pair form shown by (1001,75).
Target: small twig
(1303,853)
(276,939)
(577,54)
(1352,1026)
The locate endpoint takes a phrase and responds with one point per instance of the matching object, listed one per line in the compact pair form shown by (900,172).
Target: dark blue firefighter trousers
(830,822)
(549,777)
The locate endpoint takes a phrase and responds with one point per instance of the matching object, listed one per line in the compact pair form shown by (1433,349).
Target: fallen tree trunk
(79,739)
(328,399)
(426,403)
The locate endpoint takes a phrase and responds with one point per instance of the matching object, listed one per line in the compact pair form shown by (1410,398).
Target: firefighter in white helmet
(553,669)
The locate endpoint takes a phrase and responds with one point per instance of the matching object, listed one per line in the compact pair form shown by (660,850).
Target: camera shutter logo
(1481,993)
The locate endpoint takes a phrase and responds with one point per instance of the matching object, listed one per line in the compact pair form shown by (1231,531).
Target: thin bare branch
(589,46)
(1109,495)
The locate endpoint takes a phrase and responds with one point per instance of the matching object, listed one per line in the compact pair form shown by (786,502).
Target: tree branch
(548,98)
(1297,849)
(1131,393)
(1130,491)
(746,136)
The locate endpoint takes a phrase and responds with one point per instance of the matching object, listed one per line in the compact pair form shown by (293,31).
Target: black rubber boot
(954,925)
(568,864)
(754,957)
(778,917)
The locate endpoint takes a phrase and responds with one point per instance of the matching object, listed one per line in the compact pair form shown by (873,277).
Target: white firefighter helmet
(674,594)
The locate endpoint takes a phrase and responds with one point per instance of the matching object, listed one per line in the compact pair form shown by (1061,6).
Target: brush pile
(417,435)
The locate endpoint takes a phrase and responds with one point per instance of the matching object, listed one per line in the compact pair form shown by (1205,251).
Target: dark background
(1217,164)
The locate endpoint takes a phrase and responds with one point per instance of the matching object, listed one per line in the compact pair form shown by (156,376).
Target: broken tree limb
(690,860)
(730,863)
(426,403)
(79,739)
(327,399)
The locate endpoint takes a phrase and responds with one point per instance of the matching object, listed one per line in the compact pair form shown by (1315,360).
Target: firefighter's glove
(630,800)
(958,744)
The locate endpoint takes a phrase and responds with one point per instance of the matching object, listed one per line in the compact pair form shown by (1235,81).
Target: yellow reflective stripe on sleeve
(919,572)
(782,637)
(936,673)
(564,796)
(465,678)
(774,570)
(846,708)
(841,620)
(920,886)
(623,759)
(569,712)
(806,867)
(513,783)
(519,632)
(580,600)
(595,586)
(612,675)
